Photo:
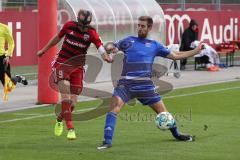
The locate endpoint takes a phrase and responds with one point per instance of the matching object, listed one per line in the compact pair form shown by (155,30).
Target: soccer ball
(165,120)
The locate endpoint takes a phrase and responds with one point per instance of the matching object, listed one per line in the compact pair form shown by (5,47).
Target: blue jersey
(139,54)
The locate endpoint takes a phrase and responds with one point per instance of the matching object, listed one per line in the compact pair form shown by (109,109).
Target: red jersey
(76,43)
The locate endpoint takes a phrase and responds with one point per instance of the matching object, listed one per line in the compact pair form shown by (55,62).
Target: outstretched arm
(176,55)
(105,56)
(49,45)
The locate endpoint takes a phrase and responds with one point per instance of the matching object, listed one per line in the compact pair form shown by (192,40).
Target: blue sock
(110,124)
(175,132)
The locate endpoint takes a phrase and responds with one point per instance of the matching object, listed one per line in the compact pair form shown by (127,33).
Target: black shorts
(4,69)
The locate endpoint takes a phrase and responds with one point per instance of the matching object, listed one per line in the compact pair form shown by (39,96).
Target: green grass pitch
(209,112)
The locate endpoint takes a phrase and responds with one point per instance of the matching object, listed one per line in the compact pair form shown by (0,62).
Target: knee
(115,107)
(74,99)
(64,87)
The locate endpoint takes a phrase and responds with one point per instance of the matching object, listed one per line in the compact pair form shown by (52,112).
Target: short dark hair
(148,19)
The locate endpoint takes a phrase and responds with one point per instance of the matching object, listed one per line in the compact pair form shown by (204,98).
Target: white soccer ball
(165,120)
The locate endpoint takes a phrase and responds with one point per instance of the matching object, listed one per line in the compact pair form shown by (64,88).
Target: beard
(83,28)
(142,34)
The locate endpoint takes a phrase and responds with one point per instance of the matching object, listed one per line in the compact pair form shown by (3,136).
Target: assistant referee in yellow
(5,55)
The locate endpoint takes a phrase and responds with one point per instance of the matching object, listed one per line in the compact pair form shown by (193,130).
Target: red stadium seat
(227,49)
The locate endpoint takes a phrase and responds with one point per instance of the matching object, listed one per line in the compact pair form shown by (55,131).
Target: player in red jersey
(68,64)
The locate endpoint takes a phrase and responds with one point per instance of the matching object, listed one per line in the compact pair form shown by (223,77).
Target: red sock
(69,125)
(67,113)
(72,108)
(60,117)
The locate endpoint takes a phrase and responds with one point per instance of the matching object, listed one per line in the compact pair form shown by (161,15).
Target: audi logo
(176,22)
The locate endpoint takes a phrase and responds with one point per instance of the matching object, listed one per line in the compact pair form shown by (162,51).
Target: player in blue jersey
(139,53)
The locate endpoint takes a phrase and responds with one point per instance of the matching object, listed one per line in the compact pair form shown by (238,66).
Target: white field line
(27,114)
(40,116)
(81,110)
(202,92)
(22,108)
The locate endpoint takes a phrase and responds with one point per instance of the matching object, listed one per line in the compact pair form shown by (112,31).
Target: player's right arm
(49,45)
(57,38)
(120,45)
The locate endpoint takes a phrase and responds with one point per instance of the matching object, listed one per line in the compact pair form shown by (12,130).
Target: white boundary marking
(202,92)
(21,108)
(40,116)
(80,110)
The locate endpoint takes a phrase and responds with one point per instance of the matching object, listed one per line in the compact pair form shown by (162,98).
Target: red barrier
(214,27)
(24,29)
(47,19)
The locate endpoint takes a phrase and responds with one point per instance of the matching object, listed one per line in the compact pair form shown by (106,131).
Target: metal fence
(8,3)
(18,4)
(176,4)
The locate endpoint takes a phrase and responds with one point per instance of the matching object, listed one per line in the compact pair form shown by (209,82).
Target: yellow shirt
(6,36)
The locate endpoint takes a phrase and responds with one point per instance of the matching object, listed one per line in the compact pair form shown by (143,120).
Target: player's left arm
(177,55)
(101,50)
(110,47)
(11,45)
(120,45)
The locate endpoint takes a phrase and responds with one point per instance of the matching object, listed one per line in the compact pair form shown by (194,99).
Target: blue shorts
(143,90)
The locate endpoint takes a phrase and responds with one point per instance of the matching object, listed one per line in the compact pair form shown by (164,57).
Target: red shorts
(70,73)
